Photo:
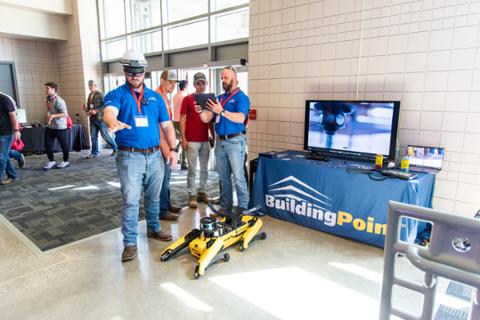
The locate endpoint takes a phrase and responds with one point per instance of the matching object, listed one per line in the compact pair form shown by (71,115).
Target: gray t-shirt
(57,105)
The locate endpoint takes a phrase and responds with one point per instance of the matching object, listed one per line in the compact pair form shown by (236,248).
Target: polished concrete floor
(296,273)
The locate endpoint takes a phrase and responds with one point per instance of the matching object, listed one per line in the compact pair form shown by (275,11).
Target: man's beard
(227,86)
(134,86)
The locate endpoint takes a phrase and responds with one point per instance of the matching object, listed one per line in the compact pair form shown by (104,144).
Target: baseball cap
(169,75)
(199,76)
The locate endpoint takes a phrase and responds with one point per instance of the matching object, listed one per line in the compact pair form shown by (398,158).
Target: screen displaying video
(430,157)
(364,127)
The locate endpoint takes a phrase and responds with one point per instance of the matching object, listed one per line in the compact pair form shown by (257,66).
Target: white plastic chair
(453,253)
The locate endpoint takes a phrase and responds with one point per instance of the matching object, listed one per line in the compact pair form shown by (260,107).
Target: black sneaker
(21,161)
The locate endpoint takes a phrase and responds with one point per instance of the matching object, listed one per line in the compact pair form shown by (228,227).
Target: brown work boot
(202,196)
(174,209)
(129,253)
(192,202)
(169,216)
(223,212)
(159,235)
(7,181)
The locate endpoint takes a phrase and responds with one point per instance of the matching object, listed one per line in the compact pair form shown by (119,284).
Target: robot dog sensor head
(208,224)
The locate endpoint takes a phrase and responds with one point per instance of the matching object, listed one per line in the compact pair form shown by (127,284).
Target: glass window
(243,81)
(222,4)
(155,79)
(147,42)
(114,49)
(113,14)
(143,14)
(112,81)
(186,35)
(175,10)
(230,25)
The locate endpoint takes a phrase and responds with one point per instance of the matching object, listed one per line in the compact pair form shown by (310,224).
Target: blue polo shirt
(238,103)
(155,110)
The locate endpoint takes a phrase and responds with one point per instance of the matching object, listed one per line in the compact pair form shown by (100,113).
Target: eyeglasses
(232,68)
(132,74)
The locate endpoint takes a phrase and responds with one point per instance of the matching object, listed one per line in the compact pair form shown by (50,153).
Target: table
(325,196)
(34,139)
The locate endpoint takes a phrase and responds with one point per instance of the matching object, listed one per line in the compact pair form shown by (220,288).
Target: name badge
(92,106)
(141,121)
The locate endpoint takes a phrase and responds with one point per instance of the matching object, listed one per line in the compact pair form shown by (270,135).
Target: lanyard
(224,101)
(138,100)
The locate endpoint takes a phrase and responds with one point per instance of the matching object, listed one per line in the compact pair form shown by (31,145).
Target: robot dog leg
(207,258)
(178,245)
(251,233)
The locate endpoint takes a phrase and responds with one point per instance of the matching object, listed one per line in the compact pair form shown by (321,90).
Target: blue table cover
(325,196)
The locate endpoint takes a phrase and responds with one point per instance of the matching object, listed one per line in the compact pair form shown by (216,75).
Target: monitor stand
(316,156)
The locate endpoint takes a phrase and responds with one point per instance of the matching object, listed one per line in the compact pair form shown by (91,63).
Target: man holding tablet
(229,112)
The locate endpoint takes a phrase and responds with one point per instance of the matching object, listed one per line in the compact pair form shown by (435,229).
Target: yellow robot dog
(214,236)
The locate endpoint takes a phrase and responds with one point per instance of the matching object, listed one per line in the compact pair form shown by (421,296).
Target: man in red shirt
(196,143)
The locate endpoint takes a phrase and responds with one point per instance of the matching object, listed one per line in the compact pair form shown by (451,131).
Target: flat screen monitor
(351,129)
(425,157)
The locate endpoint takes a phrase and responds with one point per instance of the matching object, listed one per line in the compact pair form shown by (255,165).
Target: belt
(230,136)
(149,150)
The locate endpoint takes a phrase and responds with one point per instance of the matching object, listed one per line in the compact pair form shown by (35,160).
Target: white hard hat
(133,59)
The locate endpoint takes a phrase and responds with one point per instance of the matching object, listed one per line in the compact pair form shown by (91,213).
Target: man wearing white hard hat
(134,112)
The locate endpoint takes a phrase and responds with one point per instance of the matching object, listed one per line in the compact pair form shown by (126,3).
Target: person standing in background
(196,142)
(8,133)
(94,111)
(177,106)
(168,79)
(57,114)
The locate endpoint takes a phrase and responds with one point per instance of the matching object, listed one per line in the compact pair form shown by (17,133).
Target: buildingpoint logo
(296,197)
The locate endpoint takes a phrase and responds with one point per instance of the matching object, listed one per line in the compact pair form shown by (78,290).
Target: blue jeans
(97,126)
(200,150)
(15,154)
(165,192)
(5,163)
(138,171)
(230,156)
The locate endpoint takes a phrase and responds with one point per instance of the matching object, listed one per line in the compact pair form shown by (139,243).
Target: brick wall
(424,53)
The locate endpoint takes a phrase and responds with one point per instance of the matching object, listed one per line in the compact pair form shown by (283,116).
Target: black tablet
(202,98)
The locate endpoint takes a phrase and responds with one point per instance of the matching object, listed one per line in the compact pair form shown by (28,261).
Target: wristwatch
(174,149)
(222,113)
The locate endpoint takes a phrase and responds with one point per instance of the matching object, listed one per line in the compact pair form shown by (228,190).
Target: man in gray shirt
(56,126)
